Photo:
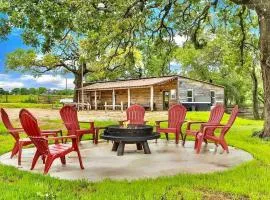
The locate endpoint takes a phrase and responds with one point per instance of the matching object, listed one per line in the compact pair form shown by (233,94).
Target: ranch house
(157,93)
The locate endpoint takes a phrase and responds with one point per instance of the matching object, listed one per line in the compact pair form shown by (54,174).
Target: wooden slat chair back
(176,118)
(48,153)
(15,132)
(69,116)
(135,114)
(215,117)
(231,121)
(7,123)
(30,126)
(208,132)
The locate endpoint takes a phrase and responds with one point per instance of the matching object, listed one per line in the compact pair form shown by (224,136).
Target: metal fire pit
(132,134)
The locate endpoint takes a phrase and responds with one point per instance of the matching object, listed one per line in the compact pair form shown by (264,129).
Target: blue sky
(10,80)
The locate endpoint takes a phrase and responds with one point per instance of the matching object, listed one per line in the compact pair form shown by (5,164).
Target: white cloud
(8,85)
(49,81)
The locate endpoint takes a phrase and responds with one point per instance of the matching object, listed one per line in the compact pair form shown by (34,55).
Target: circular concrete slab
(166,159)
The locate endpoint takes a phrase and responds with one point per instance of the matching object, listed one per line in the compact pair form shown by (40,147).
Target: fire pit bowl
(132,134)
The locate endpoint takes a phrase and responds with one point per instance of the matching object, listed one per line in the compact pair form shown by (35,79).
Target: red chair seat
(166,130)
(60,148)
(84,131)
(192,132)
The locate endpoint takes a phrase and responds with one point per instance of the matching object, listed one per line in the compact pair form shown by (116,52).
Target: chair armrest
(86,122)
(62,137)
(214,126)
(189,123)
(159,121)
(100,127)
(51,131)
(92,124)
(15,130)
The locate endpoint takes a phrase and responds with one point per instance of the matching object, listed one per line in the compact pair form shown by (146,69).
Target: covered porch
(154,94)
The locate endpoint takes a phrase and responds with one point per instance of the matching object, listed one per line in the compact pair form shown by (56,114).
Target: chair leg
(35,159)
(96,136)
(177,138)
(224,145)
(48,163)
(199,142)
(184,140)
(20,153)
(182,136)
(167,136)
(80,138)
(15,149)
(43,159)
(63,160)
(80,159)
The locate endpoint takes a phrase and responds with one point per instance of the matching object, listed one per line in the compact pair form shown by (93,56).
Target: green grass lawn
(248,181)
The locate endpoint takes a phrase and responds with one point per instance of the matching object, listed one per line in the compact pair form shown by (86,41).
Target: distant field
(25,105)
(38,99)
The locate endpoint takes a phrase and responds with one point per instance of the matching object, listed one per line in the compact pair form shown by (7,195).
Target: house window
(213,97)
(190,95)
(173,94)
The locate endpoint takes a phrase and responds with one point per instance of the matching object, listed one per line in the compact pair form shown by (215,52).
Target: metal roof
(135,83)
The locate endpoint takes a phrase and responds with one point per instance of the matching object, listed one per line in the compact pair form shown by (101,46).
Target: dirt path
(51,114)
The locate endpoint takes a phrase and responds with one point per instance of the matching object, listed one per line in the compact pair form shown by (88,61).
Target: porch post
(95,100)
(78,99)
(152,98)
(128,97)
(113,99)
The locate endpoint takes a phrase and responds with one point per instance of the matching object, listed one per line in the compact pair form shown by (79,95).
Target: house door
(166,98)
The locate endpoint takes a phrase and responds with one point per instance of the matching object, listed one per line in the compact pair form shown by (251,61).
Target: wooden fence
(43,99)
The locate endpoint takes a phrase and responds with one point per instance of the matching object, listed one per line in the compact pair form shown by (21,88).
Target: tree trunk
(255,101)
(264,22)
(78,83)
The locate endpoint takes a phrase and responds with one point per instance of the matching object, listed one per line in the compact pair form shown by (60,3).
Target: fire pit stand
(133,134)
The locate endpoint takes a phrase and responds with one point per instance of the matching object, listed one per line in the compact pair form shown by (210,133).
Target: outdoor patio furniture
(208,133)
(135,115)
(176,119)
(130,134)
(216,115)
(21,142)
(48,152)
(69,116)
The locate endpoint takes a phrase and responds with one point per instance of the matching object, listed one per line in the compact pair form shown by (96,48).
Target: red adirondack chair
(176,118)
(208,133)
(70,118)
(216,115)
(48,152)
(15,132)
(135,115)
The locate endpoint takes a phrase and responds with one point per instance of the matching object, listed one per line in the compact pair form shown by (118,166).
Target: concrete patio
(166,159)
